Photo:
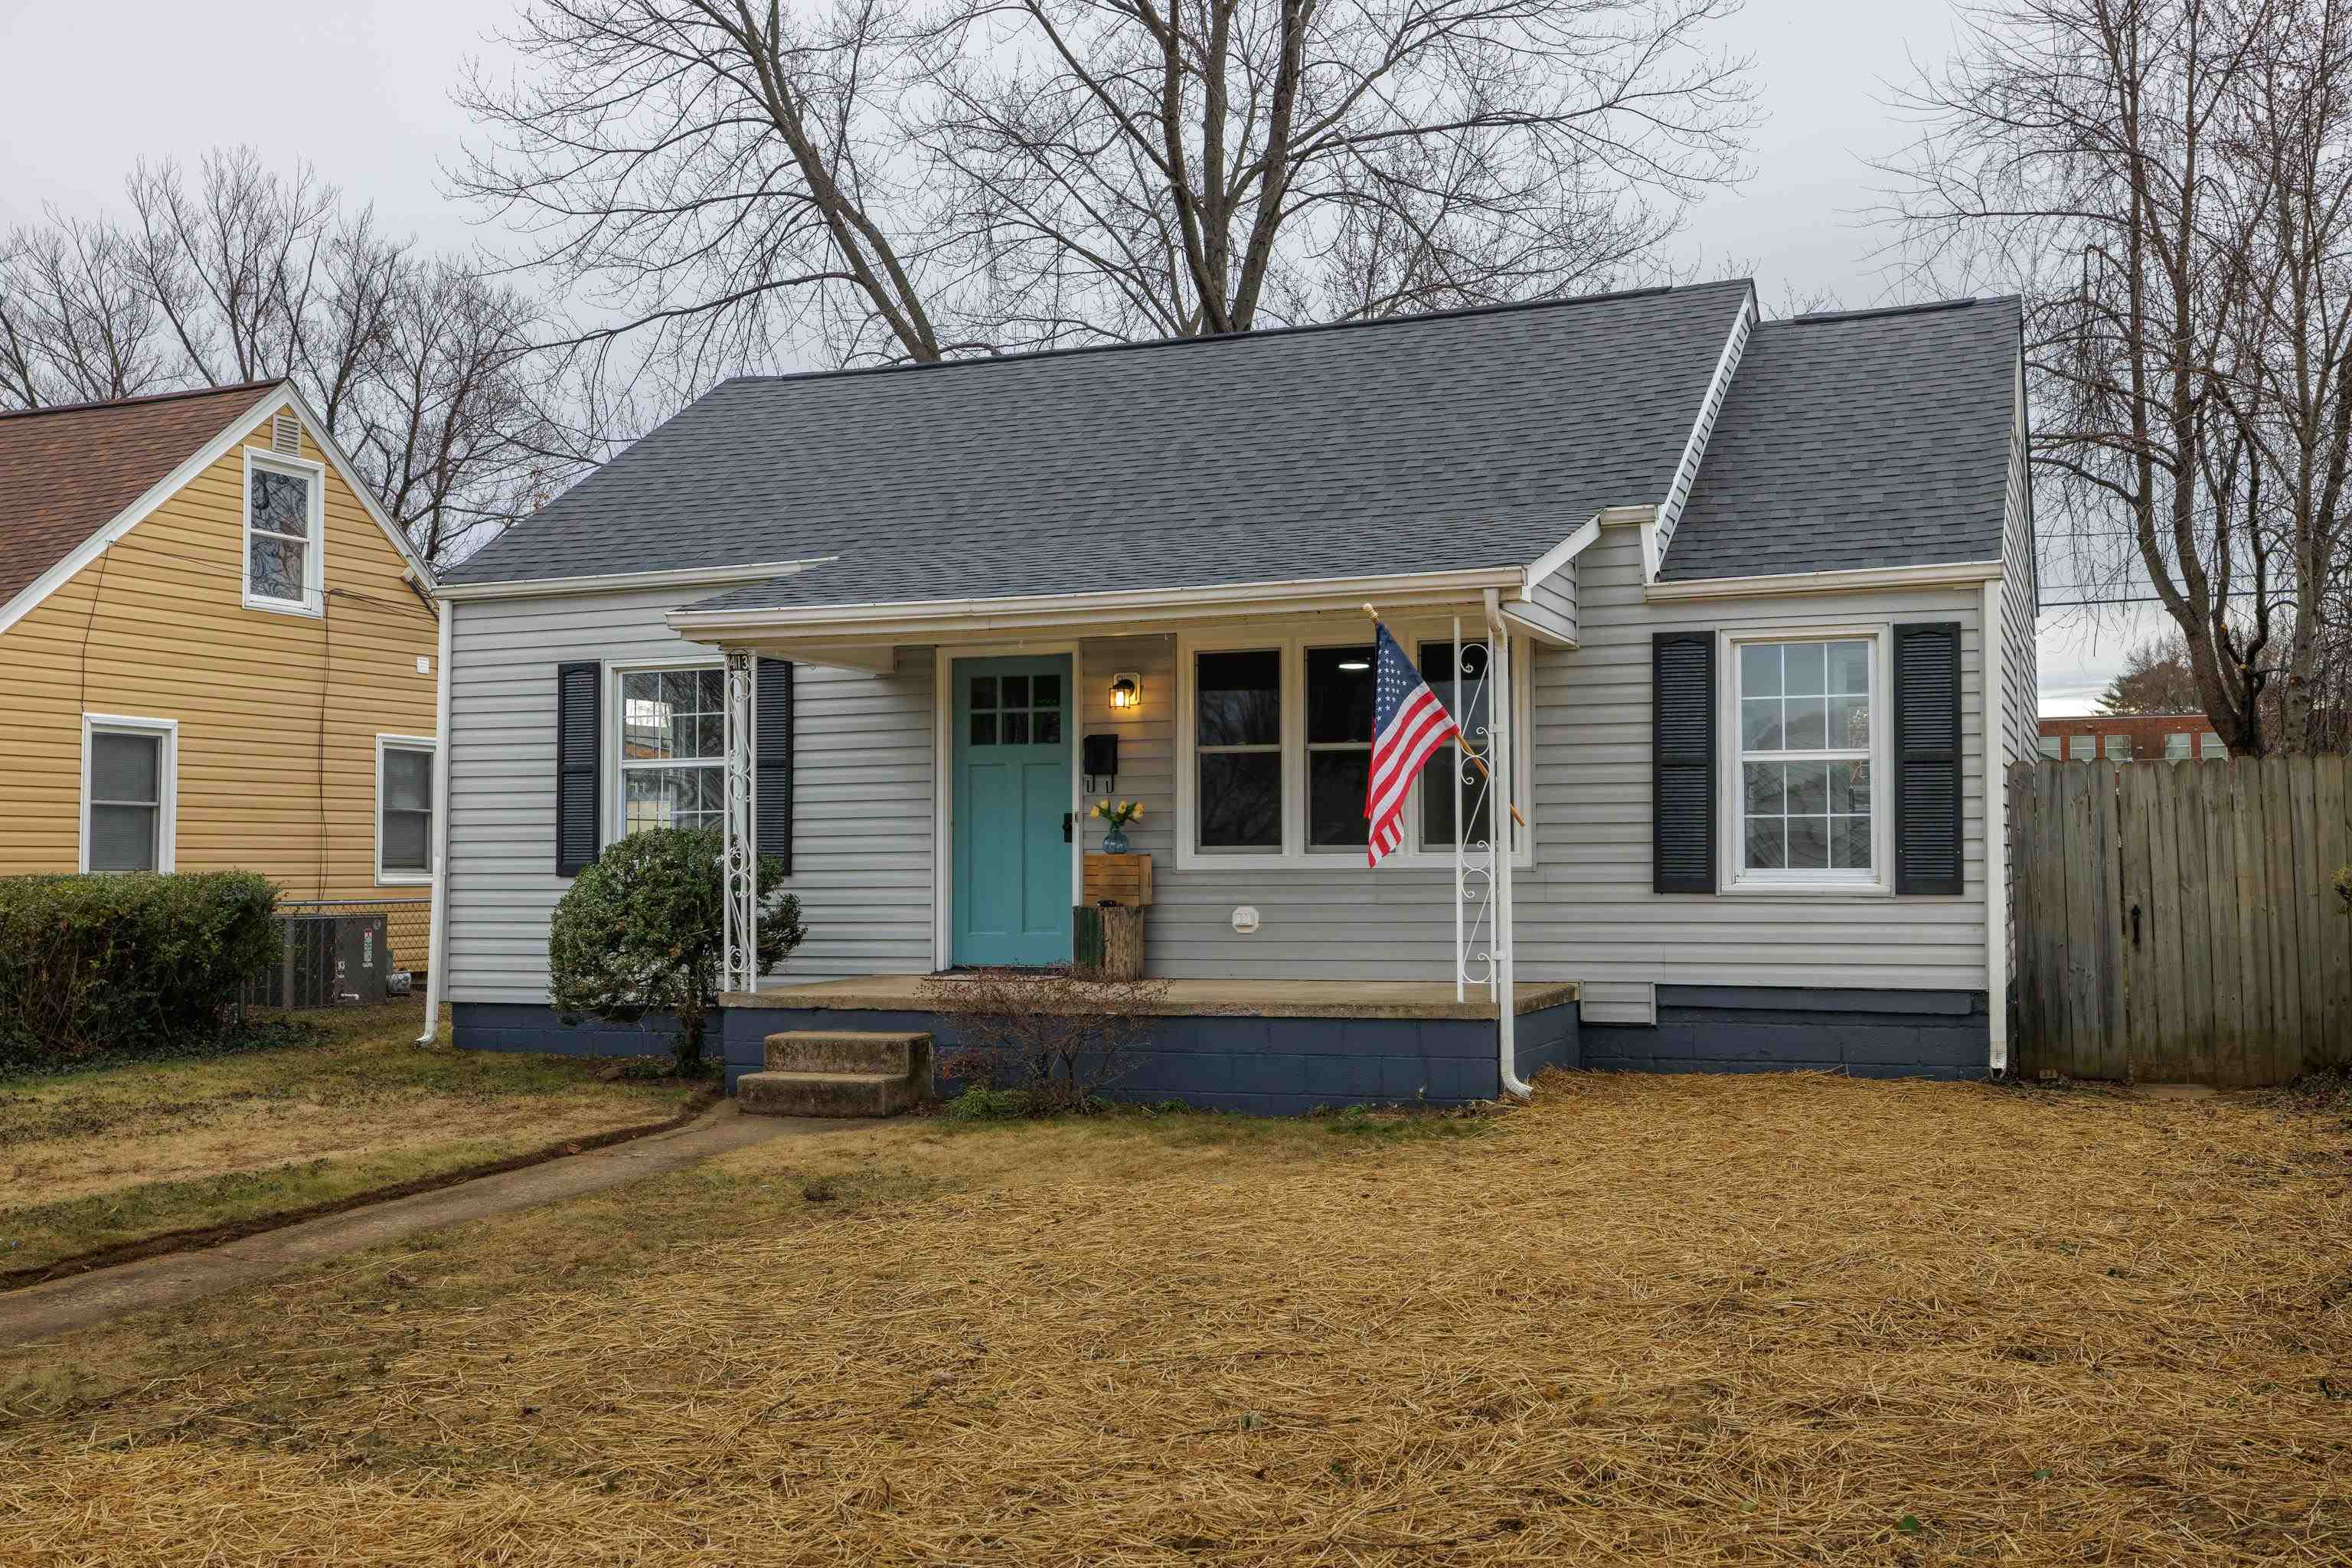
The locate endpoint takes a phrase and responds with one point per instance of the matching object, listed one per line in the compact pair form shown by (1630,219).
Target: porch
(1263,1047)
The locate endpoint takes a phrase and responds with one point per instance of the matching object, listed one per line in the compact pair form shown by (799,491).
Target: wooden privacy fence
(2177,922)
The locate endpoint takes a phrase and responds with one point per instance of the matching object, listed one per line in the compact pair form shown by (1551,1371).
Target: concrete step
(824,1093)
(850,1050)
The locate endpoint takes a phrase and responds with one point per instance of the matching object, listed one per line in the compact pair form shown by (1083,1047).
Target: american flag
(1408,723)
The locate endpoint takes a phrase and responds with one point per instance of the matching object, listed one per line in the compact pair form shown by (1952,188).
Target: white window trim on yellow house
(407,877)
(313,476)
(165,732)
(285,394)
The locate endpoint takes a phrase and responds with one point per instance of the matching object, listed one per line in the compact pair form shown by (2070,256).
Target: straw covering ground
(1657,1321)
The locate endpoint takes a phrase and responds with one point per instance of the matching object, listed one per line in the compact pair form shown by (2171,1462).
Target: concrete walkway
(58,1306)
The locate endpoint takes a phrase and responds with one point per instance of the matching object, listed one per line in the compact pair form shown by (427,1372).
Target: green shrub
(980,1103)
(131,965)
(643,931)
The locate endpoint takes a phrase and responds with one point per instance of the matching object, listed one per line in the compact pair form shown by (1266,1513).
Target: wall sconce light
(1125,693)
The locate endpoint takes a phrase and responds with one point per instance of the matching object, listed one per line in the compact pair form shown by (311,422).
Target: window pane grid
(277,551)
(126,797)
(1238,764)
(673,746)
(1804,716)
(405,796)
(1286,773)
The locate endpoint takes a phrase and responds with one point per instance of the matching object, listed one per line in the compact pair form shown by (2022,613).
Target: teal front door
(1012,810)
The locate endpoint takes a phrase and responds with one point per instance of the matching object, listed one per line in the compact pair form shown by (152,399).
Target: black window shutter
(579,770)
(1927,842)
(771,788)
(1682,762)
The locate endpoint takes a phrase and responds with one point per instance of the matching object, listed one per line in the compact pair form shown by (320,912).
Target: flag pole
(1476,760)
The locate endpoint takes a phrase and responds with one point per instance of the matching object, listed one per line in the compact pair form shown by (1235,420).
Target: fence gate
(2178,922)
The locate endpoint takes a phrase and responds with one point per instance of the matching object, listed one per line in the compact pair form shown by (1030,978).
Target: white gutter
(1992,636)
(1507,935)
(1961,574)
(436,951)
(622,582)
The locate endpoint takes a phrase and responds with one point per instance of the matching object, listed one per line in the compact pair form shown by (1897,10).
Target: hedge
(101,964)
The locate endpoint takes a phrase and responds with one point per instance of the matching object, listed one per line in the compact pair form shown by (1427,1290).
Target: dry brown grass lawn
(97,1158)
(1657,1321)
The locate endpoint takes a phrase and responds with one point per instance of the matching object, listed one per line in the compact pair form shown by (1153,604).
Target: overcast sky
(362,90)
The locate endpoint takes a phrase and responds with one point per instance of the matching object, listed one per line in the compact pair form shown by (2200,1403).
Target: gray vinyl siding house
(1604,475)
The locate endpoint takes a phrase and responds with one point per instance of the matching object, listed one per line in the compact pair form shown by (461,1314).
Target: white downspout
(1505,788)
(1993,639)
(436,947)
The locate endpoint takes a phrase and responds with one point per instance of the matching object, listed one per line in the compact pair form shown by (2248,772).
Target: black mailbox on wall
(1099,761)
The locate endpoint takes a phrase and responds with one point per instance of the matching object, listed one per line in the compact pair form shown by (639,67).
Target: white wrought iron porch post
(740,862)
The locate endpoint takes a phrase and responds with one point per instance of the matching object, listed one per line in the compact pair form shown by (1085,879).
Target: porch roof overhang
(865,635)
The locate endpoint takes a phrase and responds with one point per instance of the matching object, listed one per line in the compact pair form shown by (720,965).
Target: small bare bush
(1057,1039)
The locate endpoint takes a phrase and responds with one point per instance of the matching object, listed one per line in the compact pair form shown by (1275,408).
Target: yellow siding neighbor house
(218,654)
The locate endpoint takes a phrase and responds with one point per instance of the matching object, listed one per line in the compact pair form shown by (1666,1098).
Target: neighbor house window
(2176,747)
(129,768)
(672,747)
(2209,747)
(284,524)
(1278,742)
(2118,748)
(404,805)
(2083,748)
(1807,729)
(2052,747)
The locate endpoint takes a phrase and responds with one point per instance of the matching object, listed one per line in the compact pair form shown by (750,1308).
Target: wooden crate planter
(1124,880)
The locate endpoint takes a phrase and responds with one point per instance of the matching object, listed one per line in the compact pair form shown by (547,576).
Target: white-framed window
(2082,748)
(285,533)
(1806,802)
(404,809)
(667,746)
(2052,747)
(2118,747)
(2176,746)
(1275,734)
(129,792)
(2209,748)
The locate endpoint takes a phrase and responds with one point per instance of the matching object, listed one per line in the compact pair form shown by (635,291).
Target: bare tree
(2288,384)
(426,374)
(902,180)
(2165,181)
(75,325)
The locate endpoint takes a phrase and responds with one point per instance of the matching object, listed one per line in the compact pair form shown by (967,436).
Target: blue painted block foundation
(1762,1028)
(507,1027)
(1287,1065)
(1265,1067)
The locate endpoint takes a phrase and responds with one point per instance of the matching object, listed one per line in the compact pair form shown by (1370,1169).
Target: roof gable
(1468,439)
(61,469)
(1869,439)
(65,473)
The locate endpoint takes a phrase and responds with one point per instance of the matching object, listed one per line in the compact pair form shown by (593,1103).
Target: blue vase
(1115,841)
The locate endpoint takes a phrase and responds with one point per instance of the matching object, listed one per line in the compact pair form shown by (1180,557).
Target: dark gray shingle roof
(1475,439)
(1877,439)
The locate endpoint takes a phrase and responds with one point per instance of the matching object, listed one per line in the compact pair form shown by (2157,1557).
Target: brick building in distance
(2131,737)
